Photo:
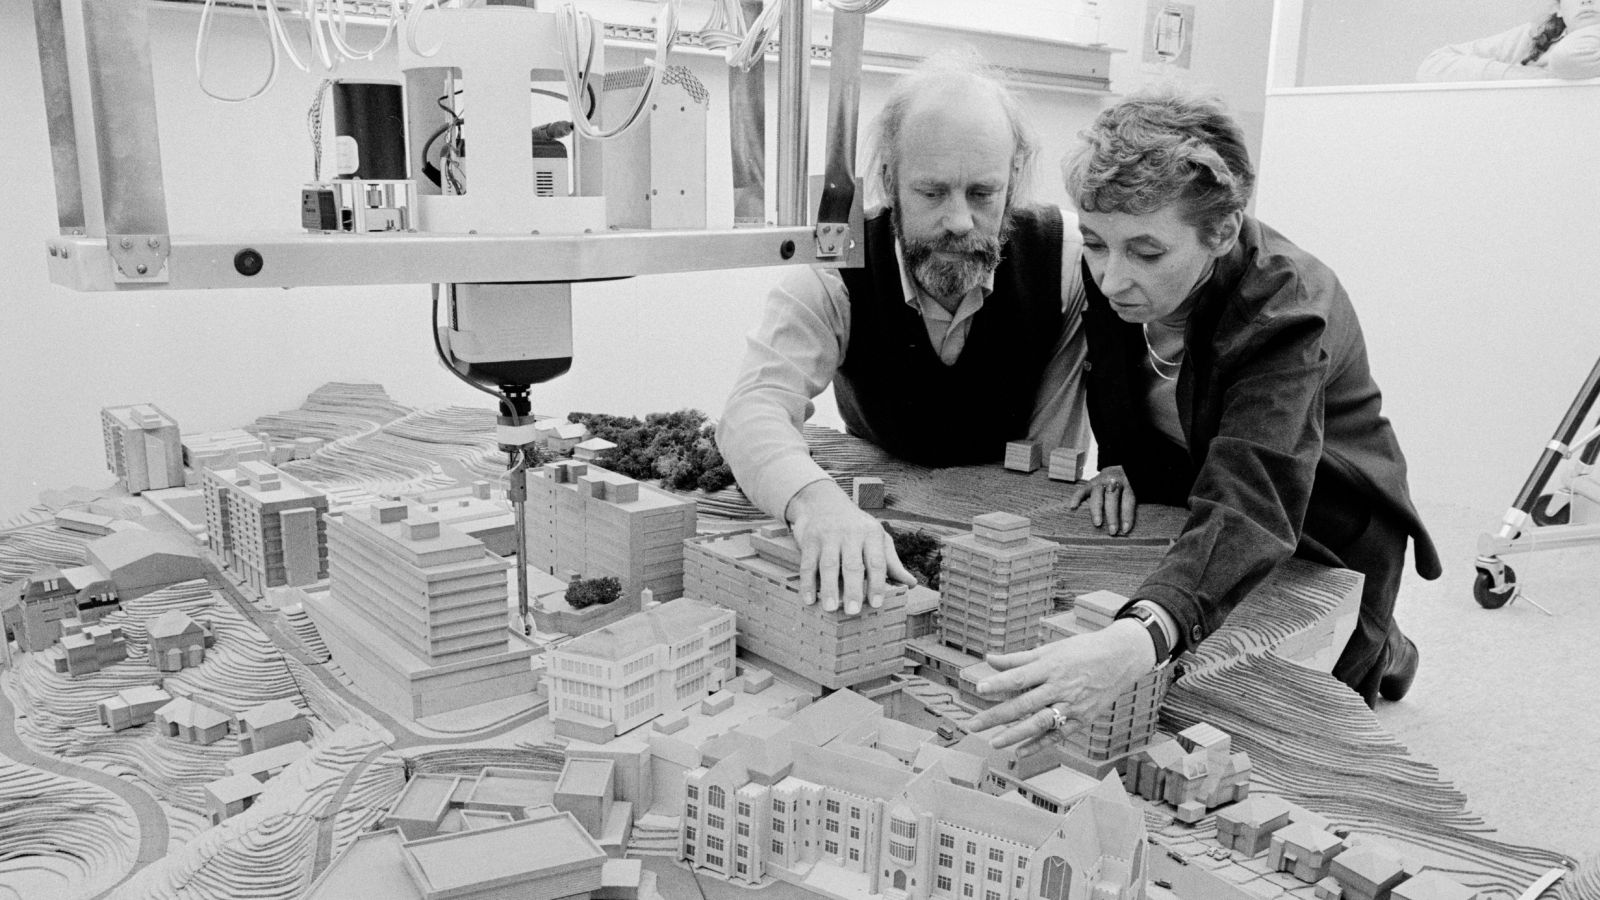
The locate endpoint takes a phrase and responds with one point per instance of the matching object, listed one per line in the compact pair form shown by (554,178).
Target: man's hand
(1111,501)
(1077,677)
(840,544)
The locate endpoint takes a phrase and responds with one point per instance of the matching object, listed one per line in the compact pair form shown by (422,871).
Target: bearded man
(961,332)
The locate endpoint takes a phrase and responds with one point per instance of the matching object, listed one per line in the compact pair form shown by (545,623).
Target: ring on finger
(1058,719)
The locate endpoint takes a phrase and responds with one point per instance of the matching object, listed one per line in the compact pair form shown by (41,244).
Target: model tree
(678,448)
(919,552)
(589,592)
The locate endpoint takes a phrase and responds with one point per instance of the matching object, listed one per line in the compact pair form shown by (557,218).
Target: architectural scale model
(596,523)
(995,587)
(1193,774)
(143,447)
(227,449)
(618,677)
(756,574)
(267,528)
(1023,456)
(250,768)
(1066,464)
(416,613)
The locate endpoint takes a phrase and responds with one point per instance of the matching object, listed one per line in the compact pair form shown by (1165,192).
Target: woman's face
(1148,265)
(1579,13)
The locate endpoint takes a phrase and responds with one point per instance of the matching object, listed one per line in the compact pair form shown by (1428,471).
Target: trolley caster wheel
(1543,516)
(1484,592)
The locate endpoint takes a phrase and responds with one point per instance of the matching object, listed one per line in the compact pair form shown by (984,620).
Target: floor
(1507,702)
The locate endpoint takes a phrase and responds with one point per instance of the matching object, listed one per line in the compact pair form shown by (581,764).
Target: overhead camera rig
(502,248)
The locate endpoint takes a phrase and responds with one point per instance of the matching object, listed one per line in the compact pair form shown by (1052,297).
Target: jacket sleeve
(1492,58)
(1252,490)
(1576,55)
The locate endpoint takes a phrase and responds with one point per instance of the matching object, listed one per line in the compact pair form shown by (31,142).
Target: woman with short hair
(1227,373)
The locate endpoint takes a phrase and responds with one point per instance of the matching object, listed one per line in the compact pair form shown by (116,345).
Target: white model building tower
(267,528)
(995,586)
(143,447)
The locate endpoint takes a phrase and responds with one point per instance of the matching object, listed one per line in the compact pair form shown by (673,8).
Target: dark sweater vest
(892,388)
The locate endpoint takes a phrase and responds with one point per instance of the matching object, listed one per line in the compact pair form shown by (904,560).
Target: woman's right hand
(1111,501)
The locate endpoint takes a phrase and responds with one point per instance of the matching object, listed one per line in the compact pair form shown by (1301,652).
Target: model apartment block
(995,587)
(584,519)
(756,574)
(266,527)
(657,661)
(416,612)
(143,448)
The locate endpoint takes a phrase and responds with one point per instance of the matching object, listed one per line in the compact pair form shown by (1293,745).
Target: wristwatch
(1152,624)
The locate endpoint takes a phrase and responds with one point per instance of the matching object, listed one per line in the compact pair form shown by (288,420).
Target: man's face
(951,193)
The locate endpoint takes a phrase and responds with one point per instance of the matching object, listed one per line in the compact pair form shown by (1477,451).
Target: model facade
(794,803)
(267,528)
(584,519)
(756,574)
(416,613)
(995,587)
(143,447)
(657,661)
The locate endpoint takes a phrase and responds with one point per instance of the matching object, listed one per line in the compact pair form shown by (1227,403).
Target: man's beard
(948,265)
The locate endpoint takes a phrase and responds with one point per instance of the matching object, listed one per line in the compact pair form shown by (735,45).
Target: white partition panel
(1465,223)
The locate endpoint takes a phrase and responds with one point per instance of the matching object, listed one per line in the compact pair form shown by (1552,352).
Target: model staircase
(305,631)
(654,835)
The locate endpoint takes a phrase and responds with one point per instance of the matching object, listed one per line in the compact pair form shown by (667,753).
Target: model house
(587,450)
(227,797)
(1201,773)
(132,707)
(190,720)
(1304,851)
(178,641)
(584,519)
(1367,871)
(270,725)
(143,447)
(657,661)
(756,574)
(995,586)
(267,528)
(1246,827)
(87,649)
(416,613)
(32,608)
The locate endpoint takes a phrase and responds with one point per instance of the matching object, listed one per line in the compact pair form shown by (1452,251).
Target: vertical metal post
(51,31)
(127,144)
(747,132)
(794,110)
(844,102)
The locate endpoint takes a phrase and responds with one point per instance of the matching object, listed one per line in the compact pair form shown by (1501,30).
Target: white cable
(337,34)
(413,16)
(571,22)
(200,55)
(315,39)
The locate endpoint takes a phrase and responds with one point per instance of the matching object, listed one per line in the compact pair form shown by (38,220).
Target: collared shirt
(793,352)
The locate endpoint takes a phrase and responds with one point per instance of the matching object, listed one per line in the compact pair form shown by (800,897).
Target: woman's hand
(1111,501)
(1064,685)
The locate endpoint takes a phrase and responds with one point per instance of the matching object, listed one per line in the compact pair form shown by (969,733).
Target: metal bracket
(139,257)
(833,239)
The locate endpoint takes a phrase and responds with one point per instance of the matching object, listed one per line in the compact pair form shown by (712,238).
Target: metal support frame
(794,110)
(111,199)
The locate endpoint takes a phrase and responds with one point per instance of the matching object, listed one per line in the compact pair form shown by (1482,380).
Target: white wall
(1463,223)
(218,359)
(1382,42)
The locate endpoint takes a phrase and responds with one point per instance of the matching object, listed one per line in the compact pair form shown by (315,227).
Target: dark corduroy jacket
(1287,441)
